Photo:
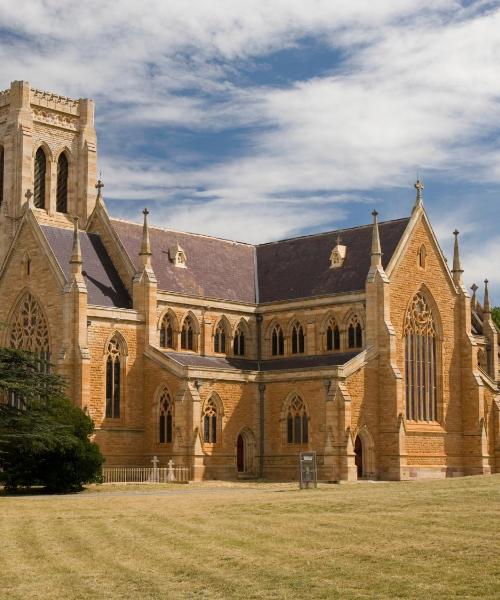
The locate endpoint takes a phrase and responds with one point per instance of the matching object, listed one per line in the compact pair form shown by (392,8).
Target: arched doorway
(240,454)
(358,453)
(245,450)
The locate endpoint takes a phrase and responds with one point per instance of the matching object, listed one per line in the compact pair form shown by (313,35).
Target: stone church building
(361,345)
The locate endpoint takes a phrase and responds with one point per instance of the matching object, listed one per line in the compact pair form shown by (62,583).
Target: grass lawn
(425,540)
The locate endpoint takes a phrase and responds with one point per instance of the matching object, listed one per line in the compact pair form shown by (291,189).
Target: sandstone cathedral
(229,358)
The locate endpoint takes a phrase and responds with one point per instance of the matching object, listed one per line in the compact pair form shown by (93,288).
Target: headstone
(156,472)
(170,472)
(308,470)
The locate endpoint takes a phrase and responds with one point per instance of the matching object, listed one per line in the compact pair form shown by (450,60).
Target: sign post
(308,470)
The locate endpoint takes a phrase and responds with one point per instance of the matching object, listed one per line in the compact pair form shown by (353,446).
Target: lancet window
(210,423)
(62,184)
(220,338)
(166,418)
(39,180)
(421,356)
(187,334)
(239,343)
(277,341)
(298,339)
(166,333)
(332,335)
(297,425)
(114,360)
(355,334)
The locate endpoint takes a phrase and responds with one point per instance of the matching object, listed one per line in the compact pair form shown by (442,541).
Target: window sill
(424,426)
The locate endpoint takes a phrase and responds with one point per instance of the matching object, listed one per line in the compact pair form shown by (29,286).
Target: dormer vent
(177,256)
(337,257)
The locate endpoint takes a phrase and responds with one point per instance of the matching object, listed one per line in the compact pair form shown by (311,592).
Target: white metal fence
(145,474)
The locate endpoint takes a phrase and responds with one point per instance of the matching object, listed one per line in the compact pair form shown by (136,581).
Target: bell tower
(47,146)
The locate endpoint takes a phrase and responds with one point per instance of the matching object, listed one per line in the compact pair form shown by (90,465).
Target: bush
(46,439)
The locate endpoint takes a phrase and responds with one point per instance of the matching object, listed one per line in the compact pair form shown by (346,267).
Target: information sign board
(308,470)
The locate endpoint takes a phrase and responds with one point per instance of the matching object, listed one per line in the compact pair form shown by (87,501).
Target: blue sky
(257,120)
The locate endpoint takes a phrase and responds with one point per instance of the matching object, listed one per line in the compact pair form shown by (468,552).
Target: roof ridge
(203,235)
(330,231)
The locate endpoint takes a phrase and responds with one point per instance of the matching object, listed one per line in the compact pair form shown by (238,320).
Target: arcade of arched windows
(42,175)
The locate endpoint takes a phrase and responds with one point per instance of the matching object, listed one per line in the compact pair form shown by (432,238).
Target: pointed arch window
(39,180)
(210,423)
(297,424)
(166,418)
(277,341)
(2,155)
(62,184)
(29,332)
(298,339)
(421,356)
(422,257)
(220,338)
(187,334)
(239,343)
(332,335)
(114,360)
(355,334)
(166,332)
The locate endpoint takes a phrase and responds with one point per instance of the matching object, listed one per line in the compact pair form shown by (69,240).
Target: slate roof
(104,285)
(300,267)
(216,268)
(187,359)
(285,270)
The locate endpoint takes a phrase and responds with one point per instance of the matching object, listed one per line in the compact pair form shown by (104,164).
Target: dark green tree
(495,313)
(44,439)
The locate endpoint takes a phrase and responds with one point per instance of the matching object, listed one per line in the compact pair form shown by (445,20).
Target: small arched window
(1,174)
(298,339)
(166,418)
(297,426)
(40,172)
(277,341)
(187,334)
(166,333)
(355,334)
(220,338)
(113,378)
(210,423)
(62,184)
(332,336)
(239,343)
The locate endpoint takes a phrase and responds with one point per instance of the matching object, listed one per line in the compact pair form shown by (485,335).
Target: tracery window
(210,423)
(187,334)
(277,341)
(114,361)
(239,343)
(1,173)
(220,338)
(62,184)
(420,361)
(166,333)
(298,339)
(166,418)
(355,333)
(40,172)
(297,426)
(332,335)
(29,331)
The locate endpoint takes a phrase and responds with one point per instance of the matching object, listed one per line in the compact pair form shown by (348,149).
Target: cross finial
(419,186)
(145,212)
(99,185)
(374,213)
(456,232)
(29,196)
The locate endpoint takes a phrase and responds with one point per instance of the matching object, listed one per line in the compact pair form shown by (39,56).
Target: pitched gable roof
(104,285)
(300,267)
(216,268)
(284,270)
